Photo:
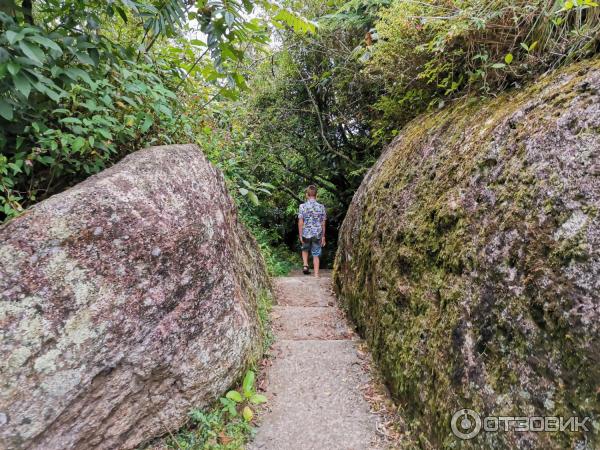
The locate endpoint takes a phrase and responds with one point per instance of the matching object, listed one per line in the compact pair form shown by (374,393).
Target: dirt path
(315,380)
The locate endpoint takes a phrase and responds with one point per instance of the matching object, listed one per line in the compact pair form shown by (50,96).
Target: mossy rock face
(470,261)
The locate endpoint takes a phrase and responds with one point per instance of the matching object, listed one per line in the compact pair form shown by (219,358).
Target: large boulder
(124,302)
(470,260)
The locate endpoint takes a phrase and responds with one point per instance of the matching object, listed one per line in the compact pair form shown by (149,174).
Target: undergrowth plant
(225,426)
(427,52)
(235,400)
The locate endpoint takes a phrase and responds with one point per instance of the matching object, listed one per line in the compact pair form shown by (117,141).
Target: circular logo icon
(465,424)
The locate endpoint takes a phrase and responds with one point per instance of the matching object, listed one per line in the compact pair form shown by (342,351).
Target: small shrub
(226,426)
(429,51)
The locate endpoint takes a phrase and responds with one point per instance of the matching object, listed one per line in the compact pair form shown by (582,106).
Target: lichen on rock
(124,302)
(470,260)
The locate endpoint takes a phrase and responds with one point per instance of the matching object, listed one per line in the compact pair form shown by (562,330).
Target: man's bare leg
(316,265)
(305,258)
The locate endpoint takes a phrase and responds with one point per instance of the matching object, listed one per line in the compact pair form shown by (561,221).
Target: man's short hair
(311,191)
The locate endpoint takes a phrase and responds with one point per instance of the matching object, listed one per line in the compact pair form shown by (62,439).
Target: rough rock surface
(124,302)
(470,260)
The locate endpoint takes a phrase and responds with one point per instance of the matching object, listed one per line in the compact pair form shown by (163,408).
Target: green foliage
(212,430)
(279,259)
(427,52)
(84,83)
(303,121)
(67,110)
(226,425)
(356,14)
(283,17)
(235,400)
(320,110)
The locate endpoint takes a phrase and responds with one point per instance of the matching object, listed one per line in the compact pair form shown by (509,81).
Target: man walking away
(311,229)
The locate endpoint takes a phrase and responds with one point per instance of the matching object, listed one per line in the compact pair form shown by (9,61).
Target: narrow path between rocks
(315,380)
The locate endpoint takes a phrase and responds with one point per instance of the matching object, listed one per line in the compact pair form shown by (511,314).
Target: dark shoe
(305,270)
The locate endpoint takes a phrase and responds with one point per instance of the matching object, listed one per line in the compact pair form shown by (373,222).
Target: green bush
(426,52)
(67,110)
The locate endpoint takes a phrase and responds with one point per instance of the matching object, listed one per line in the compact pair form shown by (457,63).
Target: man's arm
(300,228)
(323,235)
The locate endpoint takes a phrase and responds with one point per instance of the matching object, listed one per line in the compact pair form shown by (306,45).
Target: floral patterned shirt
(313,214)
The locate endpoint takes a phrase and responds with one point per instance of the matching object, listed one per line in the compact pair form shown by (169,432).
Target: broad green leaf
(13,67)
(247,413)
(498,66)
(84,58)
(244,191)
(104,133)
(78,144)
(240,81)
(147,123)
(12,36)
(232,411)
(71,120)
(6,110)
(55,71)
(257,399)
(129,100)
(569,5)
(22,84)
(508,58)
(27,61)
(33,52)
(248,384)
(253,198)
(229,406)
(16,166)
(55,96)
(45,42)
(229,93)
(235,396)
(165,110)
(75,73)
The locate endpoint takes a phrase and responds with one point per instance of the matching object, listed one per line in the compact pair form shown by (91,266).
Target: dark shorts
(312,244)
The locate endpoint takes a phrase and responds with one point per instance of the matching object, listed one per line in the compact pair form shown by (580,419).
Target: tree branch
(27,8)
(321,126)
(292,194)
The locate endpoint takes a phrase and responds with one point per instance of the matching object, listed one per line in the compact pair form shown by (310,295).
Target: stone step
(315,400)
(304,290)
(306,322)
